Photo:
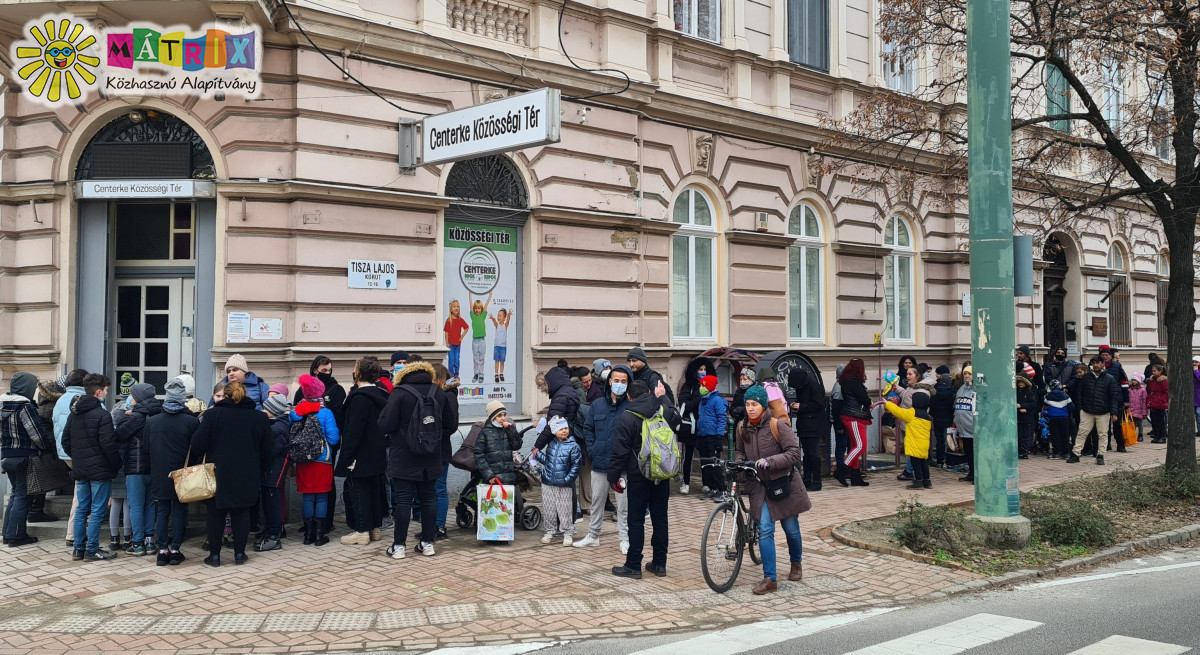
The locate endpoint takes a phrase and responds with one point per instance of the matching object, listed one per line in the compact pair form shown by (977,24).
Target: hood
(247,403)
(798,378)
(608,383)
(23,384)
(693,367)
(149,407)
(415,373)
(85,404)
(11,402)
(645,404)
(371,392)
(50,390)
(556,379)
(945,380)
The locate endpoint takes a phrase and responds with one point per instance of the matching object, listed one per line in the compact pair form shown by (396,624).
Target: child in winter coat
(1137,401)
(918,426)
(710,432)
(1156,402)
(168,436)
(279,410)
(1027,416)
(561,462)
(315,479)
(1058,413)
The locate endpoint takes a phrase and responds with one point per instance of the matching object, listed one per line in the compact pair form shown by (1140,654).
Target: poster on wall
(480,291)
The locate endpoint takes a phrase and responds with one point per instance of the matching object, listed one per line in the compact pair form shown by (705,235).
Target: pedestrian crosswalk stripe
(954,637)
(510,649)
(744,638)
(1121,645)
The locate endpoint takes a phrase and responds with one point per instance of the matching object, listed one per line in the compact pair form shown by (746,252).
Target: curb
(1178,535)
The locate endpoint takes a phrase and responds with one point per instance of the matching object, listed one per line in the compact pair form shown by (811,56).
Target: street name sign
(513,123)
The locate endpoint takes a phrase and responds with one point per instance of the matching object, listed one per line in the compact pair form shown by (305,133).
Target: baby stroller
(528,477)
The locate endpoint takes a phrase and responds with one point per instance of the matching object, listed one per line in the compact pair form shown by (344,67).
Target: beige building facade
(700,207)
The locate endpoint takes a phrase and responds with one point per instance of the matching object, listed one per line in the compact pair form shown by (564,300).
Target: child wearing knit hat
(710,433)
(314,478)
(561,462)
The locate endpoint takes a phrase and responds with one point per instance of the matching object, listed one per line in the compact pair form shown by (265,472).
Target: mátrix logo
(57,53)
(138,59)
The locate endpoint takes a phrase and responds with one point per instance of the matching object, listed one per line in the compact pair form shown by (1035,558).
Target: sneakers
(441,535)
(547,539)
(356,539)
(721,496)
(164,558)
(1073,459)
(705,489)
(568,540)
(624,547)
(626,572)
(177,558)
(683,489)
(114,544)
(99,556)
(268,544)
(137,550)
(77,555)
(426,548)
(396,551)
(375,534)
(587,541)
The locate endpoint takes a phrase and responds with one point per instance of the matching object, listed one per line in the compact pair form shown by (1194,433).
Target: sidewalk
(306,599)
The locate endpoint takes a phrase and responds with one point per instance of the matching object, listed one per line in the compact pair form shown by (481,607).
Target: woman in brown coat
(773,447)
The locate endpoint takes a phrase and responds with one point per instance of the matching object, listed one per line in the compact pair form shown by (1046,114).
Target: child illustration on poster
(480,287)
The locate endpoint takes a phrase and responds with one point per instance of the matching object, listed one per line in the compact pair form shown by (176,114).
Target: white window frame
(1117,261)
(693,233)
(898,257)
(900,76)
(690,24)
(1114,95)
(806,244)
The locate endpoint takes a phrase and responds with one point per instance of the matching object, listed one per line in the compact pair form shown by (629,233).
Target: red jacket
(1156,390)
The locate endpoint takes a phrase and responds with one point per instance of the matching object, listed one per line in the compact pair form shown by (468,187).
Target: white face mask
(498,424)
(604,374)
(619,388)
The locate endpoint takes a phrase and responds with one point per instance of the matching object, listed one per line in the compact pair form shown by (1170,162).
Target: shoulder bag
(195,483)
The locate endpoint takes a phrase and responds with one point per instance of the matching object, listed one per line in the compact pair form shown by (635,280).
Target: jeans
(454,360)
(272,506)
(403,492)
(171,513)
(766,541)
(599,484)
(645,496)
(93,503)
(17,514)
(239,521)
(141,507)
(316,506)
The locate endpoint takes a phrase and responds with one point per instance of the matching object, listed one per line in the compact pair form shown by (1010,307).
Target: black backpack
(424,436)
(306,440)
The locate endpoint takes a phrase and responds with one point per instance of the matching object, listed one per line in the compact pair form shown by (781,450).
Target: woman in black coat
(364,454)
(689,409)
(811,421)
(233,436)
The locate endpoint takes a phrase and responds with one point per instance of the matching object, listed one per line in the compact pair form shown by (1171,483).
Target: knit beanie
(189,384)
(709,382)
(311,388)
(141,392)
(279,388)
(24,384)
(920,401)
(177,391)
(638,354)
(277,405)
(757,394)
(749,374)
(238,362)
(493,408)
(600,364)
(398,356)
(943,370)
(127,382)
(558,423)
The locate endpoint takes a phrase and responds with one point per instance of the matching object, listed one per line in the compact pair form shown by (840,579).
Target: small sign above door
(165,189)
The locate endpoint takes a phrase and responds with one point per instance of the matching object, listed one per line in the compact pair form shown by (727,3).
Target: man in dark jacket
(168,435)
(644,495)
(91,442)
(135,450)
(636,359)
(413,474)
(564,402)
(941,412)
(810,423)
(1030,369)
(1059,368)
(1099,397)
(1115,369)
(21,437)
(598,433)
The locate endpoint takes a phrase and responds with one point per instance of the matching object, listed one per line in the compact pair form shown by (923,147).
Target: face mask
(398,367)
(703,391)
(1060,358)
(604,374)
(701,374)
(744,385)
(619,388)
(498,424)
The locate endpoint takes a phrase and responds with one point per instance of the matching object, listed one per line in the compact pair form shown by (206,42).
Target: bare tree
(1104,120)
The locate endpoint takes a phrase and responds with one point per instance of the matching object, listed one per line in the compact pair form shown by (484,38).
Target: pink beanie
(279,388)
(312,388)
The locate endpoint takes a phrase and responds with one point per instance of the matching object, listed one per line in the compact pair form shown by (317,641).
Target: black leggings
(811,464)
(239,520)
(689,449)
(710,446)
(363,496)
(1158,423)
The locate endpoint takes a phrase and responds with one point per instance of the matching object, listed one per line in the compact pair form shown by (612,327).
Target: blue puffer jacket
(62,411)
(329,429)
(1058,404)
(256,389)
(561,461)
(601,425)
(713,412)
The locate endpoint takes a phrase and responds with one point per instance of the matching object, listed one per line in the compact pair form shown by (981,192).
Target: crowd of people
(389,439)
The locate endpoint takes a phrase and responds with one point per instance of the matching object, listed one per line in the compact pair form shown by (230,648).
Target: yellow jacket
(916,431)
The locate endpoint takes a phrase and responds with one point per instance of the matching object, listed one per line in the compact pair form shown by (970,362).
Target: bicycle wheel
(721,548)
(751,536)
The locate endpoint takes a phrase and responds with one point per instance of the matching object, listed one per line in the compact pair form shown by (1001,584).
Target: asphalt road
(1104,611)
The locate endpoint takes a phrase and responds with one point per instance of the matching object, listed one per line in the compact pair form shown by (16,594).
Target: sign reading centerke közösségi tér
(513,123)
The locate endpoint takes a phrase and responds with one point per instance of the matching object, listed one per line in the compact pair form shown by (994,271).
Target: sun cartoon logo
(57,59)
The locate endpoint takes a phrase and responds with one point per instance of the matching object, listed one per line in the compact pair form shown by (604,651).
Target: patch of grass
(1062,520)
(1037,555)
(925,529)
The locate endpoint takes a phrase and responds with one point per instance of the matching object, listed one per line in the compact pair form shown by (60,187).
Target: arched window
(1120,329)
(898,279)
(1163,268)
(805,274)
(693,267)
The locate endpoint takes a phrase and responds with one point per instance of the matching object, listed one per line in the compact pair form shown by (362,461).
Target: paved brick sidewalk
(305,599)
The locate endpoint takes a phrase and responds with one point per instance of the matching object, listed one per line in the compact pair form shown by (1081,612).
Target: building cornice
(859,249)
(298,190)
(749,238)
(567,216)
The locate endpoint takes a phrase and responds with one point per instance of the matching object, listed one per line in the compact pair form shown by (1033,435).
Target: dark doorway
(1054,294)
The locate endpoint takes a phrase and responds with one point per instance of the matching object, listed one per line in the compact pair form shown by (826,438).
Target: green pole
(993,326)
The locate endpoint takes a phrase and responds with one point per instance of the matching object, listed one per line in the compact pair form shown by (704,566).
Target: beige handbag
(195,483)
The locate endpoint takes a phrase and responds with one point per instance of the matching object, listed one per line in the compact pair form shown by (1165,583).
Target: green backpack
(658,458)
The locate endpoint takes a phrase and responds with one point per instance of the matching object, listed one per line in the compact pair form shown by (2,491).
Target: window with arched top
(898,279)
(1119,315)
(805,274)
(1163,268)
(693,266)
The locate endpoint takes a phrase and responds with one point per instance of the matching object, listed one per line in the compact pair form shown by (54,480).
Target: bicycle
(729,531)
